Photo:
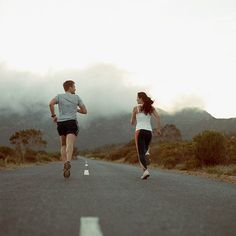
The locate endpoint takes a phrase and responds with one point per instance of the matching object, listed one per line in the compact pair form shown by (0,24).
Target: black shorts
(68,127)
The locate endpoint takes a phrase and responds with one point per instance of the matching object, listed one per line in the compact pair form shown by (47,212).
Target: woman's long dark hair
(147,107)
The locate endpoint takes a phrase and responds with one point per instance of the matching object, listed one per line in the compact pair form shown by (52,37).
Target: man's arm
(82,109)
(52,103)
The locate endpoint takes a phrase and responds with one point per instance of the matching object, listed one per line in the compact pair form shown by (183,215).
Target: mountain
(100,131)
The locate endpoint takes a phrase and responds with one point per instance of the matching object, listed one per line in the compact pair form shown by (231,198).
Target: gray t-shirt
(67,104)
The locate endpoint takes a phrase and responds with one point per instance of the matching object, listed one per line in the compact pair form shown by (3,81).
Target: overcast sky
(182,52)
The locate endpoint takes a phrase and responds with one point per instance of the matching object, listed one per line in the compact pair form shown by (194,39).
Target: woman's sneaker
(145,175)
(66,171)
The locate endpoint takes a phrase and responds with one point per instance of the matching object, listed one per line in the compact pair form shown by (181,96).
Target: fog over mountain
(105,89)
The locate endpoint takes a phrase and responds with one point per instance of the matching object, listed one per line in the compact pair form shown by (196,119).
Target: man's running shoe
(145,175)
(67,165)
(66,171)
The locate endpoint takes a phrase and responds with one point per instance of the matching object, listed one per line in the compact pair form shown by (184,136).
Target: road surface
(110,199)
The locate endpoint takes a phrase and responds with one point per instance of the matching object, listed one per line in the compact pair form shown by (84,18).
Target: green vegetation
(210,148)
(210,151)
(26,140)
(10,157)
(221,170)
(28,148)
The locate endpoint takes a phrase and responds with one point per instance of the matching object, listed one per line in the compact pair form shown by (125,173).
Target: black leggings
(143,138)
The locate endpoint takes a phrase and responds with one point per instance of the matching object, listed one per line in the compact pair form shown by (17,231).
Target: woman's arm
(133,116)
(157,130)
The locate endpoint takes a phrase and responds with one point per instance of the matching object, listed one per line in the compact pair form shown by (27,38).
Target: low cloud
(187,101)
(103,88)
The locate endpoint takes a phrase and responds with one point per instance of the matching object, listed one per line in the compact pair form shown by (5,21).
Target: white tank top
(143,121)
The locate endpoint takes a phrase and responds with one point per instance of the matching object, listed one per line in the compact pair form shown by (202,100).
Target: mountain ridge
(101,130)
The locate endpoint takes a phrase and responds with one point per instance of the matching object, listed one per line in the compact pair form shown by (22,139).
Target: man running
(67,126)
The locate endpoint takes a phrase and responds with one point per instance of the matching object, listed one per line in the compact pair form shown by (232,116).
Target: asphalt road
(111,200)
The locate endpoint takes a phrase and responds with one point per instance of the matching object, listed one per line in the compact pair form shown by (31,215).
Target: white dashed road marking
(86,172)
(89,226)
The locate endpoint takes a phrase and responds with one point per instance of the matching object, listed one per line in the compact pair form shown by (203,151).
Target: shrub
(231,149)
(221,170)
(11,159)
(2,159)
(2,156)
(44,157)
(169,162)
(31,156)
(7,155)
(174,154)
(6,151)
(55,156)
(192,163)
(210,148)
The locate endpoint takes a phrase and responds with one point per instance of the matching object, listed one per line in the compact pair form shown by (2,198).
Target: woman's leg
(148,138)
(140,145)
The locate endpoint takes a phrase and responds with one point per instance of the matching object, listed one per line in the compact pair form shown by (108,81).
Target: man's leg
(70,140)
(63,147)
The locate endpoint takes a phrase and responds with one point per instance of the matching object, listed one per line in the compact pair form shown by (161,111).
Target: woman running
(141,116)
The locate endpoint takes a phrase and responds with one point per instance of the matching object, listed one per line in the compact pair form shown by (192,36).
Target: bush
(171,154)
(54,156)
(31,156)
(2,156)
(210,148)
(192,163)
(231,149)
(221,170)
(169,162)
(12,160)
(6,151)
(44,158)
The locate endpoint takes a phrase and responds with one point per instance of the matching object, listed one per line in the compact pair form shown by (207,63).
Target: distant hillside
(101,131)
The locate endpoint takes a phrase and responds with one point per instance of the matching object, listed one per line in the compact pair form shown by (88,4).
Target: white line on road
(86,164)
(89,226)
(86,172)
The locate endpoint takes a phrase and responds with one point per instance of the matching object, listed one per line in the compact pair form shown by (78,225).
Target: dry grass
(223,176)
(37,158)
(176,156)
(221,170)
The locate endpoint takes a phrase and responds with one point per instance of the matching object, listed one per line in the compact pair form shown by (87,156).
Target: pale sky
(183,52)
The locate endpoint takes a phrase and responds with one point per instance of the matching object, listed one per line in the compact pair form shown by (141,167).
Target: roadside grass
(179,156)
(13,158)
(31,158)
(221,170)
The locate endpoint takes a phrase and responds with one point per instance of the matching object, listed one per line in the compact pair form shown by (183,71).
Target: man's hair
(67,84)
